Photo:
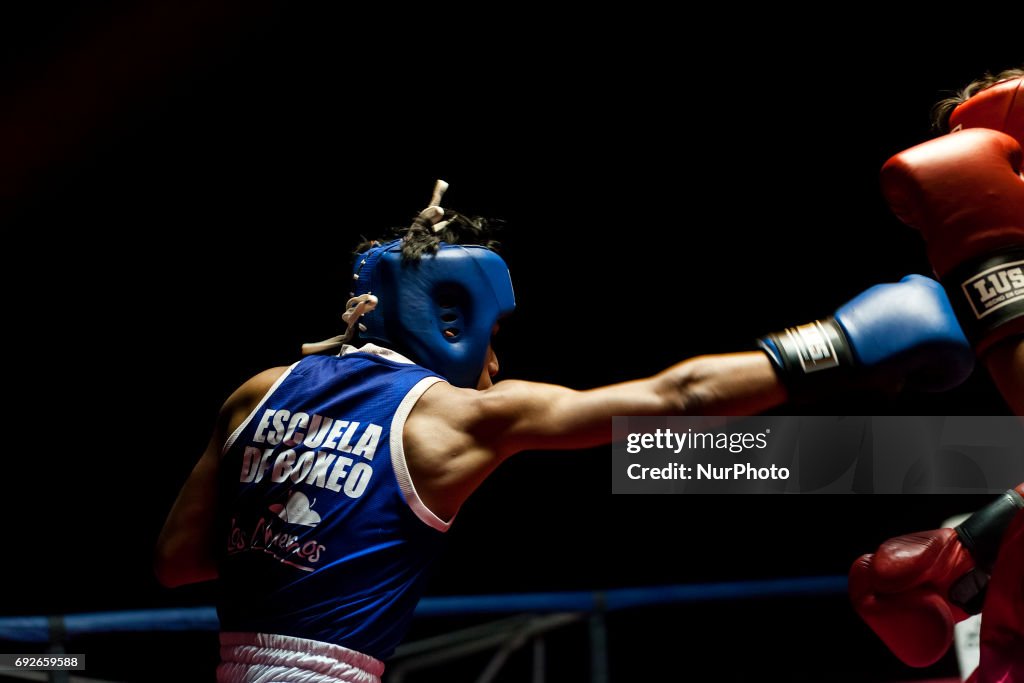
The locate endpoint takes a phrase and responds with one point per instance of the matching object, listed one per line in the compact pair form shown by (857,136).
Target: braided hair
(421,237)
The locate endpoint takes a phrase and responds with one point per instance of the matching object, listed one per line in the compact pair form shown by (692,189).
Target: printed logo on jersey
(298,510)
(995,288)
(272,535)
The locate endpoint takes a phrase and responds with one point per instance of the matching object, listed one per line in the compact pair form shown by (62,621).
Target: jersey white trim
(259,406)
(284,659)
(398,456)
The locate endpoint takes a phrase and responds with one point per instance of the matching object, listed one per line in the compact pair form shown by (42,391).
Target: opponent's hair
(943,108)
(419,238)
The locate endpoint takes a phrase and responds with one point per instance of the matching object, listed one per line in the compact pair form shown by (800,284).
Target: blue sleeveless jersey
(325,536)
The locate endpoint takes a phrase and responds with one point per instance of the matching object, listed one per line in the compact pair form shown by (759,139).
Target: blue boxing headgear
(439,310)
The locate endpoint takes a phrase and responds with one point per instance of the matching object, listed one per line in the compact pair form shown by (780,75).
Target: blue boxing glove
(890,336)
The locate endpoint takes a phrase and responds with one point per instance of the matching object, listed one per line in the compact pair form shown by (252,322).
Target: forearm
(545,416)
(185,550)
(182,558)
(723,384)
(1005,362)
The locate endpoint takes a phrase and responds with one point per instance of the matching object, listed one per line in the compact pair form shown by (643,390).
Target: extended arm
(888,336)
(455,438)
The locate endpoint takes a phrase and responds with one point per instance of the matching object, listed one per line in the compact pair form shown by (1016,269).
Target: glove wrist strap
(987,294)
(810,359)
(982,534)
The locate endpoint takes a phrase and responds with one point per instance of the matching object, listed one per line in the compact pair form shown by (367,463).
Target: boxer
(327,486)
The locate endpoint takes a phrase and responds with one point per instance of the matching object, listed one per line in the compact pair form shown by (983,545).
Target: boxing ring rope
(537,613)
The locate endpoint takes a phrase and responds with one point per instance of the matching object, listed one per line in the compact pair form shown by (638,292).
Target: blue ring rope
(37,630)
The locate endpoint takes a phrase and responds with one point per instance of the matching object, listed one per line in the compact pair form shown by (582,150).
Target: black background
(183,185)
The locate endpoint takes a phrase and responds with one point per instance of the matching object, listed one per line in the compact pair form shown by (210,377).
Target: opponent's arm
(1005,363)
(1002,618)
(185,548)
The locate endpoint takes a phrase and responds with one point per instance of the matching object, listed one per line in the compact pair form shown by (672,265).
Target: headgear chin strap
(999,107)
(440,310)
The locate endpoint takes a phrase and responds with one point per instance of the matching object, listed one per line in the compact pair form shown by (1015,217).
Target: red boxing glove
(916,587)
(964,192)
(900,592)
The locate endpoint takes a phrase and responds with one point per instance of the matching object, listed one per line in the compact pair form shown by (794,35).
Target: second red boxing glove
(900,591)
(915,587)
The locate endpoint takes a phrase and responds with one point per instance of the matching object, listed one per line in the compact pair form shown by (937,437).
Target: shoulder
(460,406)
(257,386)
(480,415)
(246,397)
(454,438)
